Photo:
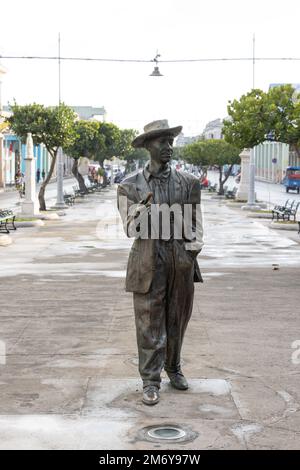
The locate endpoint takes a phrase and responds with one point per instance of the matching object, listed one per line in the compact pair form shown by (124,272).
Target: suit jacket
(184,189)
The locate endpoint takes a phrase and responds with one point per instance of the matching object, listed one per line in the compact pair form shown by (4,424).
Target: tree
(248,120)
(107,142)
(284,125)
(194,154)
(124,147)
(127,152)
(85,144)
(52,126)
(258,116)
(135,154)
(214,152)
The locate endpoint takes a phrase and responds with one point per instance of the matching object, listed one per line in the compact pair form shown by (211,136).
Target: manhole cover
(166,433)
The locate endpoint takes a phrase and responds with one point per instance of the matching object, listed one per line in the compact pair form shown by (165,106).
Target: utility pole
(251,205)
(60,204)
(253,62)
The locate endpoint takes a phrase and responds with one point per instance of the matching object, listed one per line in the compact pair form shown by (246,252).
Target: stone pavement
(69,377)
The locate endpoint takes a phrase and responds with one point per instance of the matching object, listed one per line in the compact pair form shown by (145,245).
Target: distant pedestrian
(43,174)
(38,175)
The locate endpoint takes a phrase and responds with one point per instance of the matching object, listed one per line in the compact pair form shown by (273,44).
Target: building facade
(213,129)
(89,113)
(12,158)
(271,161)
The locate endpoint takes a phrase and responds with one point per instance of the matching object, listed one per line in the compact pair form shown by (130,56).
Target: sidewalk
(10,199)
(270,193)
(70,380)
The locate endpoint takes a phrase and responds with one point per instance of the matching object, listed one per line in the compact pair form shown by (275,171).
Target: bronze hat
(155,129)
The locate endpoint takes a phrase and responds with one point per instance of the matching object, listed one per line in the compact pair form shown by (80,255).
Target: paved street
(270,193)
(70,380)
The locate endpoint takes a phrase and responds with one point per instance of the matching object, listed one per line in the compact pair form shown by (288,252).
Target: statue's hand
(148,200)
(144,205)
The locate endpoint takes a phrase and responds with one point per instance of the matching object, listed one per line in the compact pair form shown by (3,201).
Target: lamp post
(60,204)
(156,72)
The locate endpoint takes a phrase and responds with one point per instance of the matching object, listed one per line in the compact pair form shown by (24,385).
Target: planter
(260,215)
(48,216)
(29,223)
(285,226)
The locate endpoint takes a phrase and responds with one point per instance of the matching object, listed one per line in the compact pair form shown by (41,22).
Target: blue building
(14,154)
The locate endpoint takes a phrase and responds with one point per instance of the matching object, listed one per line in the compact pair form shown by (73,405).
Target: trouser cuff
(172,369)
(146,383)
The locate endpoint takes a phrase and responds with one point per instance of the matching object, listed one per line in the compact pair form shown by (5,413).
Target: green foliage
(178,153)
(51,126)
(98,141)
(248,118)
(139,154)
(213,152)
(108,141)
(101,172)
(86,142)
(260,114)
(125,150)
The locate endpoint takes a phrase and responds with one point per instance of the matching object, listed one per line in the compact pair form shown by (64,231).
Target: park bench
(69,198)
(292,212)
(7,220)
(91,187)
(78,191)
(231,193)
(212,187)
(282,211)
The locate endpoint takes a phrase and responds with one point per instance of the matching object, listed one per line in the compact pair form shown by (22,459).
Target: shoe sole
(150,403)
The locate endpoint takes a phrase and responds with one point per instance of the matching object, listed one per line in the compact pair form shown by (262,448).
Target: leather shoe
(150,395)
(178,380)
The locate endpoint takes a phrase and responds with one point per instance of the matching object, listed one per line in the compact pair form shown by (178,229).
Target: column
(242,192)
(2,176)
(29,207)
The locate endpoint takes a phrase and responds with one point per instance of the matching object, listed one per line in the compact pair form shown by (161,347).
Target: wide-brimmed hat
(155,129)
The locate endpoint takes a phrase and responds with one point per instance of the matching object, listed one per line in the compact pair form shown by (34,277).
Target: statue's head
(158,139)
(160,148)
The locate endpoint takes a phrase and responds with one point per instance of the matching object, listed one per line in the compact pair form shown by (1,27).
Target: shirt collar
(162,175)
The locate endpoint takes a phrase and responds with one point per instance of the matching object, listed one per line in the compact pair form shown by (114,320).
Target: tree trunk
(297,150)
(79,176)
(221,189)
(228,173)
(44,184)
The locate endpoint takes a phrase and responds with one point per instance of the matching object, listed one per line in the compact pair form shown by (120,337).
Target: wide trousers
(162,314)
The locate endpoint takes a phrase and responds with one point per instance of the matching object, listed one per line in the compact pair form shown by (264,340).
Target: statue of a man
(162,265)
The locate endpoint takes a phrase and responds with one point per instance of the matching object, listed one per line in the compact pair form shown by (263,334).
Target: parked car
(292,179)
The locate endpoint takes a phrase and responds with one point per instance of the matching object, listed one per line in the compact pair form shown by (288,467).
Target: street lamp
(60,203)
(156,72)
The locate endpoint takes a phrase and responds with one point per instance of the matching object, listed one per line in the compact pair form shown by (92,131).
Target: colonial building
(213,129)
(89,113)
(183,140)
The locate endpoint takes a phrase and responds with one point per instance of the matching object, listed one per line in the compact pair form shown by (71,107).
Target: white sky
(188,94)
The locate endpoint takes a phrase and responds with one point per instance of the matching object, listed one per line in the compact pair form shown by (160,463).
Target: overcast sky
(190,94)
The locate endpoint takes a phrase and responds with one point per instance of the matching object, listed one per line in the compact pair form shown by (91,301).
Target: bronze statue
(161,270)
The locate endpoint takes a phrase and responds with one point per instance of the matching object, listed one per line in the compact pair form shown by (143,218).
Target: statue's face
(161,148)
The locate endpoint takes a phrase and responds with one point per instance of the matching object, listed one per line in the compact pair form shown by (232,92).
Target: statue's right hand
(147,201)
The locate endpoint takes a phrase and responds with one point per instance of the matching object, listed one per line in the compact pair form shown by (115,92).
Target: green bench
(7,220)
